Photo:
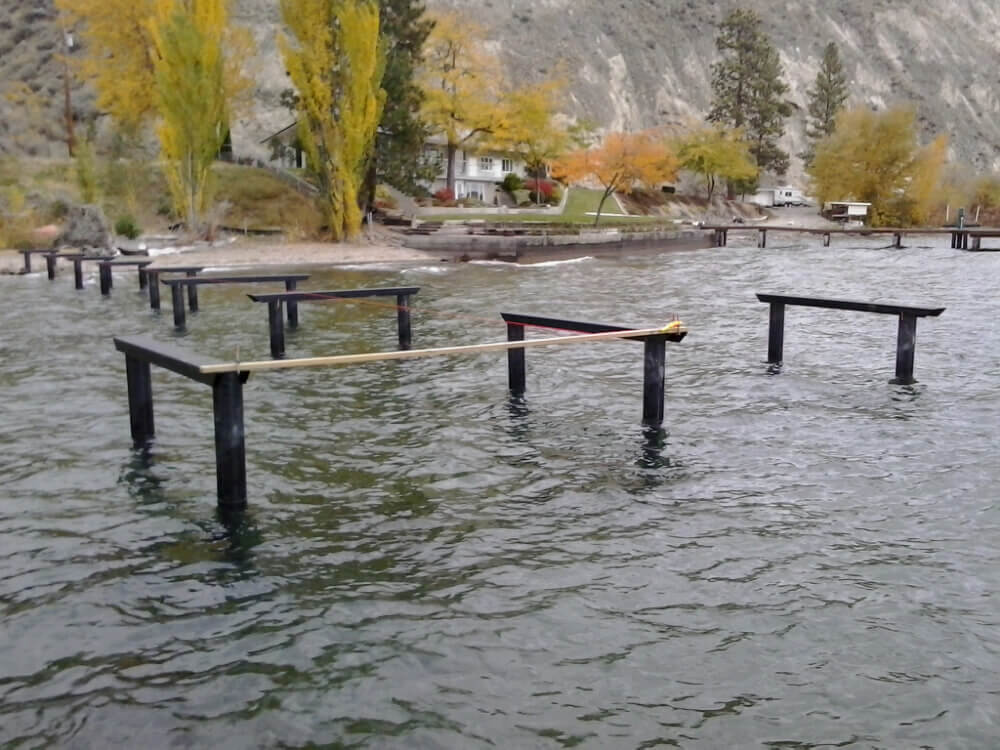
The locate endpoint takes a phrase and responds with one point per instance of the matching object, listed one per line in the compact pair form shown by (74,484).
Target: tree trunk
(600,205)
(452,152)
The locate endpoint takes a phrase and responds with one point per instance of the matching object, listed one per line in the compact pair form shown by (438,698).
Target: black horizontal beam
(201,280)
(576,325)
(114,263)
(843,304)
(178,269)
(167,356)
(318,296)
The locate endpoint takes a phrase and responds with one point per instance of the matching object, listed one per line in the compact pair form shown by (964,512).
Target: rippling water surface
(807,558)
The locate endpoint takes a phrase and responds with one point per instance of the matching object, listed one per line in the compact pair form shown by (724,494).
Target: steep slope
(638,63)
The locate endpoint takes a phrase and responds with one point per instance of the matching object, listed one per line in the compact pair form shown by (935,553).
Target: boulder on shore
(87,228)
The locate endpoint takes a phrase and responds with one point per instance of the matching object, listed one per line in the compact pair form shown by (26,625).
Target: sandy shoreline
(246,254)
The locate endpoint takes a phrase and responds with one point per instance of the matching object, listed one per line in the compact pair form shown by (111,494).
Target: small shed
(847,211)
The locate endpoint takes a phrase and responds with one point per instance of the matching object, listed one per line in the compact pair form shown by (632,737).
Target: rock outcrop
(634,64)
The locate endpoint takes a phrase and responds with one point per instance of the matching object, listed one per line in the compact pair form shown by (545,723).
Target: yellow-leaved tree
(621,163)
(462,84)
(716,153)
(336,61)
(196,78)
(876,157)
(119,59)
(530,128)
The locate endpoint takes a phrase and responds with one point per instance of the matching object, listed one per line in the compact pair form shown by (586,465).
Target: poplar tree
(193,84)
(827,97)
(748,88)
(336,60)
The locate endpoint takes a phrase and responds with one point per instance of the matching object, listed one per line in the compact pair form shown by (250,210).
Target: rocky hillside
(639,63)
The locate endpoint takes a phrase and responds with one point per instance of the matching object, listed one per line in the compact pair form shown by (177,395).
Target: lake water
(804,559)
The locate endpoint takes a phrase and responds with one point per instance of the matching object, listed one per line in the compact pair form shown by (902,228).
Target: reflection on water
(804,555)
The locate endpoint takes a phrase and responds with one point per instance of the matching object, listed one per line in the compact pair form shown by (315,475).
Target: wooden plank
(356,359)
(320,296)
(841,304)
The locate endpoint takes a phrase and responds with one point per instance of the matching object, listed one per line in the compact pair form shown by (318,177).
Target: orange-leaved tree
(622,162)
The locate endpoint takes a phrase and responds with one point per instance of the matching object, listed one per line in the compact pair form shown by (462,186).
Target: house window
(507,165)
(485,163)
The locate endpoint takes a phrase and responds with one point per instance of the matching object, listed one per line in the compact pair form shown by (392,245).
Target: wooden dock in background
(961,239)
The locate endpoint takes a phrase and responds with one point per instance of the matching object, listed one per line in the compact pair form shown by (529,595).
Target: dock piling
(192,292)
(516,376)
(776,334)
(654,380)
(403,322)
(906,342)
(230,442)
(50,265)
(106,282)
(293,306)
(78,273)
(276,328)
(140,400)
(153,279)
(177,299)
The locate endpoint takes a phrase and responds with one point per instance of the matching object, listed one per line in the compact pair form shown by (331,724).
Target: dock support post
(50,265)
(965,240)
(515,362)
(725,237)
(27,260)
(177,299)
(143,282)
(293,306)
(954,240)
(906,343)
(826,240)
(762,238)
(403,321)
(776,334)
(140,400)
(153,278)
(106,282)
(78,273)
(192,292)
(276,326)
(897,240)
(654,380)
(230,444)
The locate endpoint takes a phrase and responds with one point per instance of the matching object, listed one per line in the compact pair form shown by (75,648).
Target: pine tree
(400,145)
(748,88)
(826,99)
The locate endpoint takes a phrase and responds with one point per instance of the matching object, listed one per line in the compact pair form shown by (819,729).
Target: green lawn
(578,204)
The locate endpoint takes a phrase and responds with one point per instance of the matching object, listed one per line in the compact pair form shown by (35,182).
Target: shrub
(471,203)
(512,183)
(384,199)
(444,196)
(543,187)
(126,226)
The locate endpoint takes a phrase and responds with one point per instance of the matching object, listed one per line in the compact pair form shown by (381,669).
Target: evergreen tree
(748,88)
(399,147)
(826,99)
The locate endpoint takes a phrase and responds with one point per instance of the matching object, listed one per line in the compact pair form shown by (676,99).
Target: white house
(478,172)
